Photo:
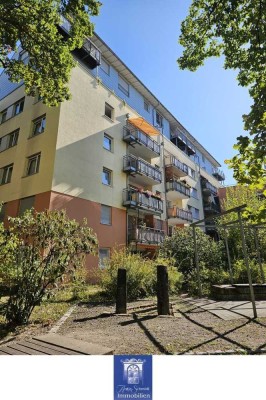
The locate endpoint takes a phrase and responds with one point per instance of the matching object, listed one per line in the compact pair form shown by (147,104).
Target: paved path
(229,310)
(52,344)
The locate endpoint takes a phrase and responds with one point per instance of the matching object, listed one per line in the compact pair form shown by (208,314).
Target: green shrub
(208,277)
(141,275)
(44,248)
(240,272)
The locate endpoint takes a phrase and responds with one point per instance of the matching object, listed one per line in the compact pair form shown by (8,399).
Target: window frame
(101,265)
(35,123)
(36,156)
(106,170)
(6,174)
(107,105)
(110,215)
(4,114)
(11,141)
(146,105)
(124,90)
(160,123)
(19,103)
(108,137)
(20,201)
(107,64)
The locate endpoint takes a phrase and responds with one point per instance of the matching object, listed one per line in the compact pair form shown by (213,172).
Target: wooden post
(228,257)
(197,261)
(121,294)
(162,291)
(244,248)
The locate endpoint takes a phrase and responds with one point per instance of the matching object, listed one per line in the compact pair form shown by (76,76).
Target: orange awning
(143,125)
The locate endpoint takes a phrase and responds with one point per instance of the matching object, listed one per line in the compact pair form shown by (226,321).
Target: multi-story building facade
(113,154)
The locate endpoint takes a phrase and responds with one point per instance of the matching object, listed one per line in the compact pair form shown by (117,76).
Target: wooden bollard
(162,291)
(121,293)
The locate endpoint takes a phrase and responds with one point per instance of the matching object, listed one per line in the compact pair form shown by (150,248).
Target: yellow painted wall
(80,156)
(20,185)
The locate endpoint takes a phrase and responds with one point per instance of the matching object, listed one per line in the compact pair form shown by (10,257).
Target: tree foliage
(43,248)
(236,30)
(34,24)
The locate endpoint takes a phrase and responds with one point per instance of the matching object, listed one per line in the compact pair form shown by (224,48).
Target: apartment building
(112,154)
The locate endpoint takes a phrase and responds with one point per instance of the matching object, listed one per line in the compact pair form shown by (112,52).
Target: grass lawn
(51,310)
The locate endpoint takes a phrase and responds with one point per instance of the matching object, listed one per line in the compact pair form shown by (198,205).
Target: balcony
(207,188)
(177,190)
(88,53)
(144,235)
(178,216)
(211,209)
(218,174)
(142,171)
(182,142)
(175,166)
(133,198)
(146,147)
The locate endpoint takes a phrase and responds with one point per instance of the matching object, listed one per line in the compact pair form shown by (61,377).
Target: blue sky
(208,102)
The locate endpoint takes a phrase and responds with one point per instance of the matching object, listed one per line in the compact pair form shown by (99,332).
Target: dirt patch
(190,330)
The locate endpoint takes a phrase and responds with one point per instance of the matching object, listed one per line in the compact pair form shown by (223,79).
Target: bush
(141,275)
(44,248)
(208,277)
(240,272)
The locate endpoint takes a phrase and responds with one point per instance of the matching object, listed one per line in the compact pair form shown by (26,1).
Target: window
(107,142)
(24,56)
(107,177)
(159,224)
(195,213)
(33,164)
(194,193)
(123,86)
(192,173)
(146,106)
(109,111)
(26,204)
(106,215)
(5,174)
(3,116)
(18,107)
(203,158)
(9,140)
(105,67)
(104,255)
(2,212)
(39,126)
(159,120)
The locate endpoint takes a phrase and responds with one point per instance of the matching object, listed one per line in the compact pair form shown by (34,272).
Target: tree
(43,248)
(34,24)
(236,30)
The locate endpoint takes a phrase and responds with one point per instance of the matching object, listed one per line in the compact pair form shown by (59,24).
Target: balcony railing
(175,212)
(218,174)
(212,208)
(133,135)
(144,235)
(87,50)
(178,187)
(144,200)
(136,165)
(172,161)
(207,185)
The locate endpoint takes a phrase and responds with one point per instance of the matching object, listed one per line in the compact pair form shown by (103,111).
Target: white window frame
(106,136)
(146,106)
(37,158)
(103,220)
(160,117)
(6,174)
(20,105)
(123,85)
(38,126)
(101,258)
(106,170)
(9,140)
